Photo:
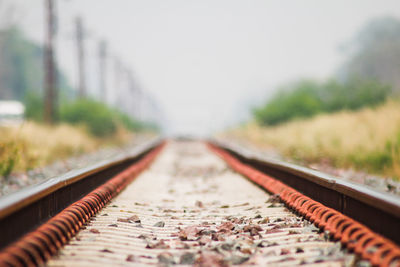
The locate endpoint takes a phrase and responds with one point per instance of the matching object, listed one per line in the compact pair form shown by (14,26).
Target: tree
(7,11)
(375,53)
(21,73)
(8,14)
(20,65)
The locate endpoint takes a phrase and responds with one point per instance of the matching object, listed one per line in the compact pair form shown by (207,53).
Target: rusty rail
(349,213)
(379,211)
(353,214)
(25,210)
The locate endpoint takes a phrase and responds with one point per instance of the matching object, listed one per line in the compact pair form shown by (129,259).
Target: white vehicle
(11,112)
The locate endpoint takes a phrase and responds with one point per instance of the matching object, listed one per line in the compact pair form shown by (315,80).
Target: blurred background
(311,80)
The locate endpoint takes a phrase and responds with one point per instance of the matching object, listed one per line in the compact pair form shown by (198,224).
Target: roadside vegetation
(307,98)
(350,121)
(99,119)
(32,145)
(83,125)
(367,139)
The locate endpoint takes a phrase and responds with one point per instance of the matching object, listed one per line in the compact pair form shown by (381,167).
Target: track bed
(188,207)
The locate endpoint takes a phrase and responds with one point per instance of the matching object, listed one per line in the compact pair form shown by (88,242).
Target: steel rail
(25,210)
(378,211)
(353,234)
(168,194)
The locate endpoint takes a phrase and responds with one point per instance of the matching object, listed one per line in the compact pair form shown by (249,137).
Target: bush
(101,120)
(286,105)
(33,107)
(307,98)
(97,117)
(127,122)
(354,94)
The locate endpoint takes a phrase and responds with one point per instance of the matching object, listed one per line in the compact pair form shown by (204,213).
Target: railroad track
(192,206)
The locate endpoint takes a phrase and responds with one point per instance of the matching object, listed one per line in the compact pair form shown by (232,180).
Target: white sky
(203,60)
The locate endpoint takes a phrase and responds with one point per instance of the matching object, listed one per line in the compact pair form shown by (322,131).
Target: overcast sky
(203,60)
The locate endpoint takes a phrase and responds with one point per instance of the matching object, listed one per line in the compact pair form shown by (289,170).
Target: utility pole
(103,70)
(134,95)
(116,82)
(118,86)
(81,57)
(50,101)
(138,102)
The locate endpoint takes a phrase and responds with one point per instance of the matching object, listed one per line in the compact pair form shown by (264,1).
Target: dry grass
(31,145)
(367,139)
